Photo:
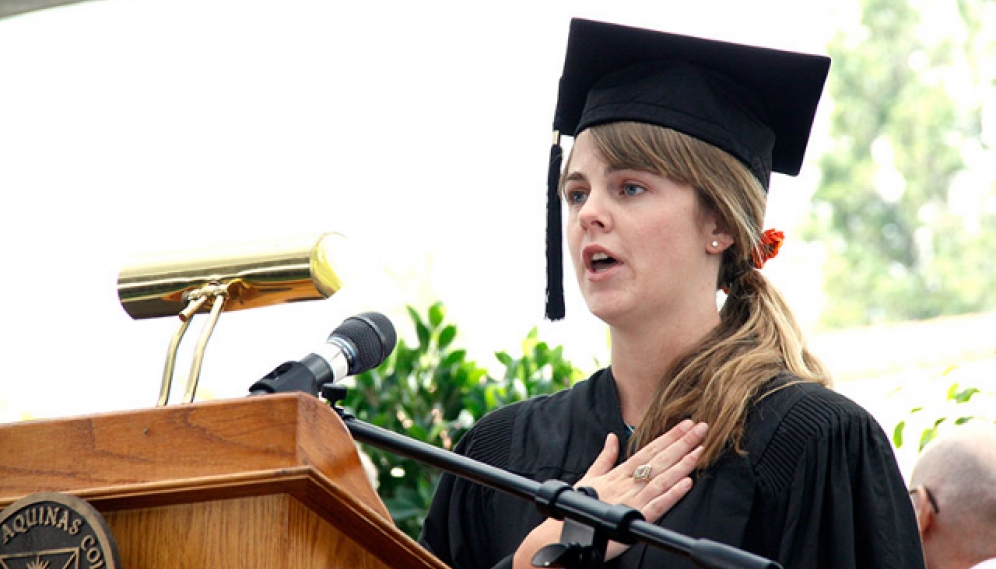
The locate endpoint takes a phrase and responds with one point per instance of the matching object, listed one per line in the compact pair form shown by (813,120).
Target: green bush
(432,393)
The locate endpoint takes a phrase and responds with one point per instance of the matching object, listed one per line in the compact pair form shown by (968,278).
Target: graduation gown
(819,486)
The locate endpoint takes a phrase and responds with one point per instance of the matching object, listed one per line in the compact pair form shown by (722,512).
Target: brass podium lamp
(225,278)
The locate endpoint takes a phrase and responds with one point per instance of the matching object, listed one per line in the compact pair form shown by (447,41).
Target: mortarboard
(755,103)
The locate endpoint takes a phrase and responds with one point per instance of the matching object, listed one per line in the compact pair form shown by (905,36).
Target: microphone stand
(588,522)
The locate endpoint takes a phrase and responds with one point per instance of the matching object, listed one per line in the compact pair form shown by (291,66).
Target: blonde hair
(757,339)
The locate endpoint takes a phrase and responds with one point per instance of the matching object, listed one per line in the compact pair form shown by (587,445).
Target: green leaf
(446,336)
(453,358)
(436,315)
(424,336)
(477,375)
(965,395)
(413,314)
(952,391)
(897,434)
(505,359)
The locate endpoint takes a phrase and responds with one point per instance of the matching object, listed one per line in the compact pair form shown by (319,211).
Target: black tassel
(554,242)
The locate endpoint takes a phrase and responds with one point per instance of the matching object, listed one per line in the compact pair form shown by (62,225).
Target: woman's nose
(594,212)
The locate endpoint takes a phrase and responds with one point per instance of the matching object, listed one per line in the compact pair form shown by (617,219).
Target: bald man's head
(958,471)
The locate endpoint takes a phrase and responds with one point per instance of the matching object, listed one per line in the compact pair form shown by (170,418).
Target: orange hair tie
(767,249)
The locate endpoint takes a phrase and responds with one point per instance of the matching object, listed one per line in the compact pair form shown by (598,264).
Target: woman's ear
(719,240)
(716,233)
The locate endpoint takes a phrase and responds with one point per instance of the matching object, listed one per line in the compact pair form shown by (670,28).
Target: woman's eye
(632,189)
(576,197)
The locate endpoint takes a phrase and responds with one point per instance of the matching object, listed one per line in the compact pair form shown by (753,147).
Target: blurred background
(421,132)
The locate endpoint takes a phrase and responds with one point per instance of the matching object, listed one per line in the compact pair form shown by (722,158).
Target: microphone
(360,343)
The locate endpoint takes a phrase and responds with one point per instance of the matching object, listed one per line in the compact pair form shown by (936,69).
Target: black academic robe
(818,488)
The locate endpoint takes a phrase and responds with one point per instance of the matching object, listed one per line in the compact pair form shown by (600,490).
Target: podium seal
(50,530)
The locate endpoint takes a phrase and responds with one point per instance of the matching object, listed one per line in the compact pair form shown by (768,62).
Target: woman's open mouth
(601,262)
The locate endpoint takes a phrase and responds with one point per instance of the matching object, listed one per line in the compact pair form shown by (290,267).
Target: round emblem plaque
(50,530)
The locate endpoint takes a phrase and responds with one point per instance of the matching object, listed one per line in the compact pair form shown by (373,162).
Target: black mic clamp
(360,343)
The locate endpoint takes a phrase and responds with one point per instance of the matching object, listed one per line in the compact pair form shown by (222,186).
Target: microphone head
(374,337)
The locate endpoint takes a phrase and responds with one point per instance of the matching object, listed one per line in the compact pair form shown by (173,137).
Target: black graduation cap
(755,103)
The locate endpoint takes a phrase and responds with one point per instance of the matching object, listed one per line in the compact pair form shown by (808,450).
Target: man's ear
(924,511)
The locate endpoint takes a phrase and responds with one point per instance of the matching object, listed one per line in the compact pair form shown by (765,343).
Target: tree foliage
(907,201)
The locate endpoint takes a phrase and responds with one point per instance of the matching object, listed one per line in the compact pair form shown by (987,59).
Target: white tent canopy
(14,7)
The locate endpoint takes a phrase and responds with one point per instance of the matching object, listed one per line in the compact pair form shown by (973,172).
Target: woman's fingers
(668,449)
(653,479)
(653,483)
(607,458)
(661,504)
(667,439)
(665,489)
(663,480)
(650,473)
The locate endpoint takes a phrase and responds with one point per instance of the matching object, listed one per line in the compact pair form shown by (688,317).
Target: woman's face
(640,243)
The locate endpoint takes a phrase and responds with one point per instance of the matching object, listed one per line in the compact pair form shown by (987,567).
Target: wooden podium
(264,482)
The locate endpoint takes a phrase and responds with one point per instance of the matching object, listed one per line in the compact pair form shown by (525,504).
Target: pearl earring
(714,244)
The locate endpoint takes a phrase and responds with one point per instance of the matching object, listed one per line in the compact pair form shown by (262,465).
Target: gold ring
(642,472)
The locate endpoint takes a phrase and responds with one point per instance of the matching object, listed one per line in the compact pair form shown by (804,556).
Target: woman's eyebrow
(574,176)
(577,175)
